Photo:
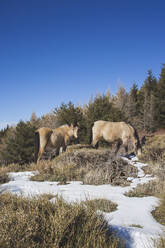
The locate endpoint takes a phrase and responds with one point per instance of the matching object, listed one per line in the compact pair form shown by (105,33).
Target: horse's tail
(91,134)
(36,145)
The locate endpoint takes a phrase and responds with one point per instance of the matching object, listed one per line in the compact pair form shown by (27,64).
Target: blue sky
(54,51)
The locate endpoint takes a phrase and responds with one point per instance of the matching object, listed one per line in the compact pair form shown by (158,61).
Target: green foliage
(161,99)
(3,133)
(20,146)
(68,114)
(141,109)
(102,108)
(148,96)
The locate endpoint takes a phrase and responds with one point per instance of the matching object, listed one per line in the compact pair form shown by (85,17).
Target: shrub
(38,223)
(88,165)
(20,146)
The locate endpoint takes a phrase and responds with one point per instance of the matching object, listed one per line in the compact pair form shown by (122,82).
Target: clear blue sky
(53,51)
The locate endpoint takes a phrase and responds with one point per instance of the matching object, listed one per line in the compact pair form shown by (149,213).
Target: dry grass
(154,155)
(148,189)
(88,165)
(153,150)
(38,223)
(159,212)
(4,178)
(135,225)
(101,204)
(159,215)
(4,170)
(160,243)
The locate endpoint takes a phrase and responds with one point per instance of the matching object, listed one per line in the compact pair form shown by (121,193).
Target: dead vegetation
(101,204)
(154,155)
(4,178)
(88,165)
(5,169)
(38,223)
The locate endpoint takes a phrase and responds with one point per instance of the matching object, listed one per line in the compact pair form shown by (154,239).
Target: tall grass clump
(154,155)
(159,212)
(154,150)
(87,165)
(159,215)
(14,167)
(4,178)
(39,223)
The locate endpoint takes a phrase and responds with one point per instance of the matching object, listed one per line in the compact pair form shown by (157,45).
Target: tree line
(143,108)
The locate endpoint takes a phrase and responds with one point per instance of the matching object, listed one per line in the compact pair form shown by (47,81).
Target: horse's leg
(119,143)
(40,154)
(125,144)
(43,143)
(95,142)
(64,148)
(57,151)
(126,149)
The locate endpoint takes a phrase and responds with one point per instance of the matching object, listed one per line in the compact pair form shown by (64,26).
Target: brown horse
(118,132)
(57,138)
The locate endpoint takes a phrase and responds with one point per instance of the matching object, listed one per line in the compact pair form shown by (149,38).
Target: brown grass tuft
(153,150)
(101,204)
(38,223)
(4,170)
(88,165)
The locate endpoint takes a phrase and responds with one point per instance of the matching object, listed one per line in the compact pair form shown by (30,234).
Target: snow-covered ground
(131,212)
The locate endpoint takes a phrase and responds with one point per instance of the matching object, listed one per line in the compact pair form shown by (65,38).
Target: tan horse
(57,138)
(119,132)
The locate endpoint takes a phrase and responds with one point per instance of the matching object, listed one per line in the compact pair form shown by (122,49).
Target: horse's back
(112,130)
(44,130)
(62,130)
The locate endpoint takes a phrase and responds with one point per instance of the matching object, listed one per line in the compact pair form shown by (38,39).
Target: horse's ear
(71,125)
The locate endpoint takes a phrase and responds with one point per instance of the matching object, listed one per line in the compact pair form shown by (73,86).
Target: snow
(131,211)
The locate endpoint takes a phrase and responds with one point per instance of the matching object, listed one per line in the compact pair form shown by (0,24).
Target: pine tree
(20,146)
(147,103)
(121,98)
(161,99)
(132,105)
(70,114)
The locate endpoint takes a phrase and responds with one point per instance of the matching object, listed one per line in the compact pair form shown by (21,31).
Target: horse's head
(73,131)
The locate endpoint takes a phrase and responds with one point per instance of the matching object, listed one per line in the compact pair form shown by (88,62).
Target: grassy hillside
(88,165)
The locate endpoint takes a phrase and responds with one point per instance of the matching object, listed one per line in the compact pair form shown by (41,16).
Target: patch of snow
(131,211)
